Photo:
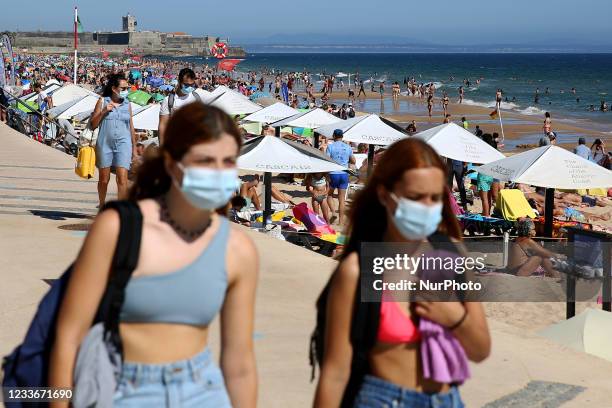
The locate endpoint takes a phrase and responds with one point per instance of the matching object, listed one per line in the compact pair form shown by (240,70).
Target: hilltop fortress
(119,42)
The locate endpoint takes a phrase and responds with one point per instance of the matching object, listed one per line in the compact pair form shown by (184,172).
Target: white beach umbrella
(48,89)
(271,154)
(277,155)
(369,129)
(272,113)
(204,94)
(148,118)
(454,142)
(69,93)
(550,167)
(72,108)
(312,119)
(234,103)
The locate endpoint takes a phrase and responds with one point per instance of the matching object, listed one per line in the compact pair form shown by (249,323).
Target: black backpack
(364,328)
(172,96)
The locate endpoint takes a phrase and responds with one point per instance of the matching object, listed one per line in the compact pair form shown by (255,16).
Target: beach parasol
(270,154)
(550,167)
(72,108)
(310,119)
(147,118)
(70,92)
(259,95)
(139,97)
(233,103)
(454,142)
(369,129)
(272,113)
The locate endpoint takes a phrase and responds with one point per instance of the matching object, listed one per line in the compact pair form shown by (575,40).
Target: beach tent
(147,118)
(233,103)
(139,97)
(272,113)
(550,167)
(589,332)
(270,154)
(72,108)
(70,92)
(454,142)
(369,129)
(312,119)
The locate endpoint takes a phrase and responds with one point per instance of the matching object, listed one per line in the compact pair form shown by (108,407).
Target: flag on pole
(79,25)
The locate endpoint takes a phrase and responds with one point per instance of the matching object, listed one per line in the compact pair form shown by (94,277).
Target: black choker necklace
(166,217)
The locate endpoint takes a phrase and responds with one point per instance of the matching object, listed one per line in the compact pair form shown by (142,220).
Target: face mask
(124,94)
(187,89)
(414,220)
(208,189)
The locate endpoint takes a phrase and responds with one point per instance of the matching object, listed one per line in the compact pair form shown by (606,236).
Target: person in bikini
(317,184)
(527,257)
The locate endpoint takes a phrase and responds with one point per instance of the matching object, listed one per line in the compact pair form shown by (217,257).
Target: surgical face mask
(124,94)
(414,220)
(187,89)
(208,189)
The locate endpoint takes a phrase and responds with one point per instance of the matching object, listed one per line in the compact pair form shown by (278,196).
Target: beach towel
(512,205)
(313,222)
(442,356)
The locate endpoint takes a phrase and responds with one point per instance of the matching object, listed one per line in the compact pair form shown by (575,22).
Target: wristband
(456,325)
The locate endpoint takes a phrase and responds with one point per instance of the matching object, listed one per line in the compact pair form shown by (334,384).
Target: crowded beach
(197,146)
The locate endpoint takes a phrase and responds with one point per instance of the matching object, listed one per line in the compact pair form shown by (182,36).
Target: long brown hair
(190,125)
(368,217)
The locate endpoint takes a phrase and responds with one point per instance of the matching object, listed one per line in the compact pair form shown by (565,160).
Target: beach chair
(511,205)
(352,189)
(477,224)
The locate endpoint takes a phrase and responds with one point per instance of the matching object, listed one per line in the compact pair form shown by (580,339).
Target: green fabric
(157,97)
(139,97)
(23,108)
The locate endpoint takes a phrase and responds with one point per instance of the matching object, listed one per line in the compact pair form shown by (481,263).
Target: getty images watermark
(479,271)
(439,264)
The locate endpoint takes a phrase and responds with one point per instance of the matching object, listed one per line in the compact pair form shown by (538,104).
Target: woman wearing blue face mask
(373,352)
(116,143)
(193,266)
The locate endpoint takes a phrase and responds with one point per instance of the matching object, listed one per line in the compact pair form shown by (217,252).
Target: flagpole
(76,43)
(501,125)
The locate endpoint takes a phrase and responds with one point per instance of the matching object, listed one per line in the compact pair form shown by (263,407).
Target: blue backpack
(28,364)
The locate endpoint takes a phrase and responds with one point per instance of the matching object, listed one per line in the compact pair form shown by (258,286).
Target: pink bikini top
(395,326)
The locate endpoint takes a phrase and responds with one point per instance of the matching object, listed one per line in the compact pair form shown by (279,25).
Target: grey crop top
(192,295)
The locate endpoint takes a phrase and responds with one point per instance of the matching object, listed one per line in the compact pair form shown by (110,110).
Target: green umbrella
(157,97)
(139,97)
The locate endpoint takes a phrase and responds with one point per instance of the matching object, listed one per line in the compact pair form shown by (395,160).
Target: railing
(33,124)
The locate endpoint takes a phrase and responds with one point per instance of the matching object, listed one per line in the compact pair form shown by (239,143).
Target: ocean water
(517,74)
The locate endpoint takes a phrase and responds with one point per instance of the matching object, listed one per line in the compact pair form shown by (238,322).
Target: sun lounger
(477,224)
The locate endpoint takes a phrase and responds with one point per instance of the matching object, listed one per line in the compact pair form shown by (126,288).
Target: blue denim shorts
(196,382)
(378,393)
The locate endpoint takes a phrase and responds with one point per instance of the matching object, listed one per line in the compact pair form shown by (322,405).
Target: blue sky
(446,22)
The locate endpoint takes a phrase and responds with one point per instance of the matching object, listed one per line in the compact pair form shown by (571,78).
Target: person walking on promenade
(405,201)
(183,95)
(116,143)
(193,266)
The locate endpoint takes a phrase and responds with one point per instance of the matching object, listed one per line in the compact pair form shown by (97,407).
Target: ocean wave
(492,104)
(531,110)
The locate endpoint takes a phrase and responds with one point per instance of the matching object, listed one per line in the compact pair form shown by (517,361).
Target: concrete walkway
(43,204)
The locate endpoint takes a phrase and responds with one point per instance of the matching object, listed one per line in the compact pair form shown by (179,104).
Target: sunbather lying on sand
(564,210)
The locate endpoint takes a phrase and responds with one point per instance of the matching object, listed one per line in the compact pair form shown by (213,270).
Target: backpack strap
(124,262)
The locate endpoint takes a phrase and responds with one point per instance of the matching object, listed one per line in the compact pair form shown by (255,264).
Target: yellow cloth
(512,205)
(600,192)
(86,162)
(277,216)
